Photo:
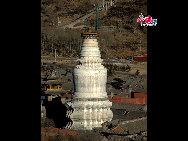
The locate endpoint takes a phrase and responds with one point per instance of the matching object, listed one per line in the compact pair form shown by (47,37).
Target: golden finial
(89,28)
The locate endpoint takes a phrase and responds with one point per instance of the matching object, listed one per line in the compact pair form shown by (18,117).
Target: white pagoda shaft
(90,101)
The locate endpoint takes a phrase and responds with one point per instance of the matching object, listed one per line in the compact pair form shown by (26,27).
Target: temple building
(90,103)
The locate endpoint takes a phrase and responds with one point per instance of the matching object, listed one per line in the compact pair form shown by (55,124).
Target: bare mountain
(126,39)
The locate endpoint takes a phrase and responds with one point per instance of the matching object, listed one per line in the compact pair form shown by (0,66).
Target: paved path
(71,24)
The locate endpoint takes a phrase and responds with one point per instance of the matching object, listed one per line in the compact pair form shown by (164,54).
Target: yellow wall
(55,87)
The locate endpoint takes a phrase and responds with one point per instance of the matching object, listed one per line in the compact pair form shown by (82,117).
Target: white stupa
(90,101)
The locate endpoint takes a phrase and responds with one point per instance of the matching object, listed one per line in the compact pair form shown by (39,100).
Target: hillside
(67,10)
(126,39)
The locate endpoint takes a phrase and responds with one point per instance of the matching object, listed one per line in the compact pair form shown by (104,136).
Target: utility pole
(52,46)
(58,21)
(55,55)
(97,16)
(42,45)
(140,46)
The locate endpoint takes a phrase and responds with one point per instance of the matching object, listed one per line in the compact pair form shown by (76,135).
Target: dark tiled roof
(60,71)
(138,90)
(51,82)
(55,91)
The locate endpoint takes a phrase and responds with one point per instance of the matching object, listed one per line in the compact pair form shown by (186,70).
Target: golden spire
(89,30)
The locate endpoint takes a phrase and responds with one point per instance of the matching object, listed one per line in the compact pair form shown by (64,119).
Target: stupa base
(89,114)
